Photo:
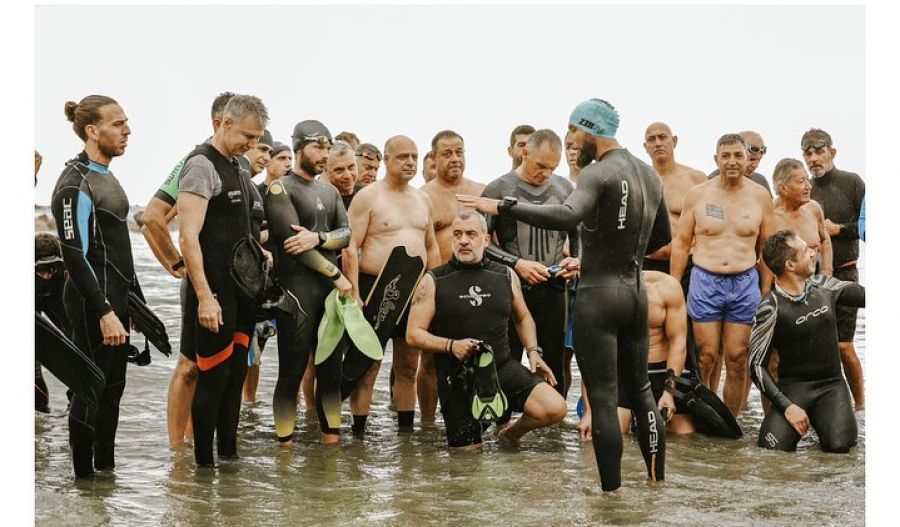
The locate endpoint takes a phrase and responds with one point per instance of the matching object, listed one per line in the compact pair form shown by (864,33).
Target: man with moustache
(531,252)
(387,214)
(725,220)
(840,193)
(368,159)
(756,149)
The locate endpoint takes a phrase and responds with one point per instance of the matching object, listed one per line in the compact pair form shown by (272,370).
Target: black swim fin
(149,324)
(710,414)
(66,362)
(488,400)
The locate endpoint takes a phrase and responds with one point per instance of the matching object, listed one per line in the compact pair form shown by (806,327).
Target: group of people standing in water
(642,272)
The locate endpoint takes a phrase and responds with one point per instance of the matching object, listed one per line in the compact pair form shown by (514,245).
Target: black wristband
(506,203)
(539,351)
(670,381)
(178,265)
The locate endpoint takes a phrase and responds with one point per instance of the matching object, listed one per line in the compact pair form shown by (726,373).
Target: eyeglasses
(321,139)
(757,150)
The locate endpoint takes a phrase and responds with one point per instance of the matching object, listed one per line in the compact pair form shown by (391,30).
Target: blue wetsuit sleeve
(567,216)
(761,352)
(72,208)
(861,224)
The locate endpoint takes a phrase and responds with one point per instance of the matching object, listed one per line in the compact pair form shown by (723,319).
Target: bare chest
(717,214)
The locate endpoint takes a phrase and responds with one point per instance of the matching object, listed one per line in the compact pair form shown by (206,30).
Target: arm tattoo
(422,291)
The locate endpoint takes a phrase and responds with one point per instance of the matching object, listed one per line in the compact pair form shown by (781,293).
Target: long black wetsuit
(804,331)
(91,213)
(292,200)
(221,357)
(619,201)
(840,194)
(517,240)
(475,301)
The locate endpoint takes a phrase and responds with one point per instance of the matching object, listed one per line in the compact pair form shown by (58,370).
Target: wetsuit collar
(795,298)
(92,165)
(460,265)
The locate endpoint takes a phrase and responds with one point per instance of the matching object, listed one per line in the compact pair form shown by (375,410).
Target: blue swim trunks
(730,297)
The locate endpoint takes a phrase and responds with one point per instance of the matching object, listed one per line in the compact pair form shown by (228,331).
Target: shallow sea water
(386,479)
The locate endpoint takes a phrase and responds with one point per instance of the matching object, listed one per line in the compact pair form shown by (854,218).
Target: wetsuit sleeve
(848,294)
(493,250)
(168,192)
(339,237)
(761,352)
(661,235)
(850,230)
(281,214)
(73,210)
(567,216)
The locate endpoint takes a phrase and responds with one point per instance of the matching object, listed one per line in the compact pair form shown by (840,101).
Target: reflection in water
(413,479)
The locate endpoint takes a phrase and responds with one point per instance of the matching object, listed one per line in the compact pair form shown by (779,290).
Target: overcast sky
(381,71)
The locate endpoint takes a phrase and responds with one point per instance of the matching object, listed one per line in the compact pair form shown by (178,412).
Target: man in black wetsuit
(619,202)
(531,251)
(217,204)
(799,319)
(840,193)
(308,224)
(91,211)
(472,300)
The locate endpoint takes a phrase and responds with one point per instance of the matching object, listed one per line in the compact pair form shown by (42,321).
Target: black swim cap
(266,138)
(278,148)
(310,131)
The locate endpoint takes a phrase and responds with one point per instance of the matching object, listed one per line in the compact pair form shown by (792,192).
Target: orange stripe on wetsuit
(208,363)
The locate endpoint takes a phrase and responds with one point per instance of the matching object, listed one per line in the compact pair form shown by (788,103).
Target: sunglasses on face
(756,149)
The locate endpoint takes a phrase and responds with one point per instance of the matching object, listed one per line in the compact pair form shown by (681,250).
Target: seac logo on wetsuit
(475,296)
(817,312)
(68,226)
(623,208)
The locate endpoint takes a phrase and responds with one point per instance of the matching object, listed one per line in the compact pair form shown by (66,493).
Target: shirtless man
(450,159)
(667,321)
(756,149)
(429,170)
(677,179)
(726,220)
(795,210)
(386,214)
(449,154)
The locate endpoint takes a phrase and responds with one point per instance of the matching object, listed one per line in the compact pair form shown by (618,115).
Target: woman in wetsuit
(620,202)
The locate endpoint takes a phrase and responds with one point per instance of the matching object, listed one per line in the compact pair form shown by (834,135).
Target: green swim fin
(331,329)
(488,402)
(359,329)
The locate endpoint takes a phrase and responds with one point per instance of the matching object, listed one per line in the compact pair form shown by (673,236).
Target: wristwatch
(670,381)
(506,203)
(539,351)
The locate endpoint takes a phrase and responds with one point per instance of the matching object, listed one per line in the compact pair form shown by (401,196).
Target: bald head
(401,158)
(657,126)
(659,142)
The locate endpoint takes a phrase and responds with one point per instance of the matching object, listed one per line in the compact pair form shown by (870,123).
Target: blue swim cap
(596,117)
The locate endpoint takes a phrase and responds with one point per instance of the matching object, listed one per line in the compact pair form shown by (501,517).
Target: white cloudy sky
(414,70)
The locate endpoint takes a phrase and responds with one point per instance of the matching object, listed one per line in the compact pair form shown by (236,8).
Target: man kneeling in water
(798,319)
(667,324)
(465,303)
